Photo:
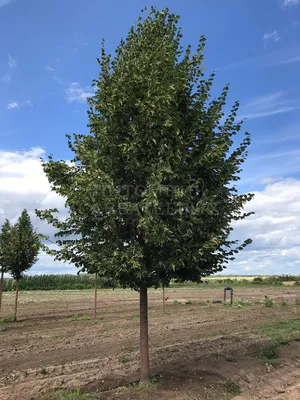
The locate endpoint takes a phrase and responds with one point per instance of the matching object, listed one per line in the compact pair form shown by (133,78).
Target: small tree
(24,248)
(4,253)
(151,190)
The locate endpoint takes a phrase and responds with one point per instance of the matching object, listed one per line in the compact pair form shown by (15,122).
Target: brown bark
(16,300)
(144,343)
(164,299)
(1,288)
(95,298)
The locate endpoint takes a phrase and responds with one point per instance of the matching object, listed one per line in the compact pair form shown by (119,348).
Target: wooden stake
(16,300)
(144,340)
(1,288)
(95,297)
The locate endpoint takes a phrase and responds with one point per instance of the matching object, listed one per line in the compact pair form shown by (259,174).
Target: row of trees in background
(58,282)
(88,281)
(19,247)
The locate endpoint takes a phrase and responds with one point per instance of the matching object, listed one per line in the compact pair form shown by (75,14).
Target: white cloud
(6,78)
(75,93)
(49,68)
(290,60)
(288,3)
(268,105)
(12,105)
(274,229)
(5,2)
(12,63)
(23,184)
(272,36)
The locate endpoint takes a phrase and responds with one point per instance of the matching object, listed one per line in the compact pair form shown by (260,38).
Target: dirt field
(198,350)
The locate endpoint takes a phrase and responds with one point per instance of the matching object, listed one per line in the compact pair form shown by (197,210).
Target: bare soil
(198,351)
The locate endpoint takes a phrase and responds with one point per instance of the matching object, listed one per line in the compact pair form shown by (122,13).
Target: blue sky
(48,62)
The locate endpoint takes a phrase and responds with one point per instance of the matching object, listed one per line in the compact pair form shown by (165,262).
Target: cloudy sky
(47,64)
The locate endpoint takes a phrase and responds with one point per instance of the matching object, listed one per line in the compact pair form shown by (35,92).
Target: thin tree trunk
(1,287)
(164,299)
(95,297)
(144,344)
(16,301)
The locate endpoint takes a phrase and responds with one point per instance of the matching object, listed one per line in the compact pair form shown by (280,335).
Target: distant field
(251,278)
(247,278)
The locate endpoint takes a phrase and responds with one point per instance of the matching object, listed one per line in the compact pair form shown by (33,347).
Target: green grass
(79,317)
(136,386)
(297,302)
(190,302)
(239,303)
(268,302)
(230,387)
(270,354)
(6,320)
(68,395)
(282,331)
(124,359)
(176,303)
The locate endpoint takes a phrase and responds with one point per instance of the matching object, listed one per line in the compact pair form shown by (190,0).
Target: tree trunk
(164,299)
(144,344)
(16,301)
(1,287)
(95,297)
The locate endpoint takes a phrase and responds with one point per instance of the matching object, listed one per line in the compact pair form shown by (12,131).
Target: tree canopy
(151,190)
(5,246)
(24,246)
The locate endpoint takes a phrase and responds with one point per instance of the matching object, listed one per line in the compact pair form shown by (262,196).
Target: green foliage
(176,302)
(24,245)
(79,317)
(230,387)
(273,280)
(258,280)
(68,395)
(124,359)
(281,331)
(297,302)
(151,189)
(6,320)
(270,355)
(5,249)
(189,302)
(233,282)
(268,302)
(239,303)
(57,282)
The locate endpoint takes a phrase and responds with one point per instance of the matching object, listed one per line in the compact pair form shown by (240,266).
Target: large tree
(24,249)
(5,242)
(151,189)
